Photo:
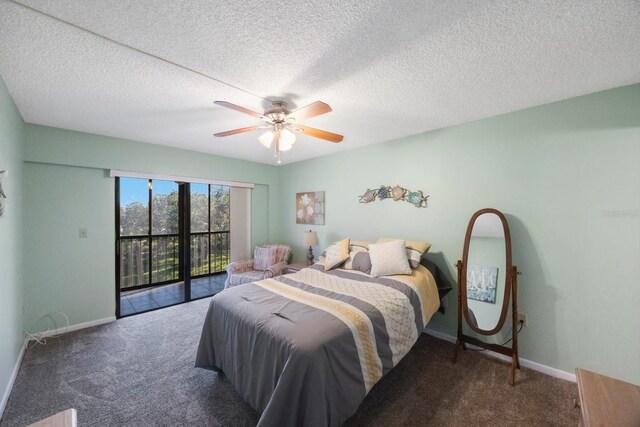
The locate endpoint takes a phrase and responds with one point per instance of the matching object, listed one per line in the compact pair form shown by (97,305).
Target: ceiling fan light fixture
(287,139)
(266,138)
(281,122)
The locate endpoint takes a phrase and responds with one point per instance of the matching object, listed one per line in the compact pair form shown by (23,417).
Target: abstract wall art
(310,208)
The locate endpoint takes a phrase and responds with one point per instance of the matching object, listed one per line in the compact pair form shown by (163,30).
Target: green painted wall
(63,272)
(68,187)
(567,177)
(565,174)
(11,225)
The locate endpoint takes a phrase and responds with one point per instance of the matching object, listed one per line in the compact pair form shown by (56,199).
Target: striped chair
(268,261)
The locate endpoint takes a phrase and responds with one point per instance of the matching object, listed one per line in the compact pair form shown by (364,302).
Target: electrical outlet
(522,318)
(83,233)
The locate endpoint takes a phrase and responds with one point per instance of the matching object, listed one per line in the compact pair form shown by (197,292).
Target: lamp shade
(310,238)
(287,138)
(266,138)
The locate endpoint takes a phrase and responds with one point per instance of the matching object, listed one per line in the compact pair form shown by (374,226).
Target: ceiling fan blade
(239,108)
(237,131)
(322,134)
(312,110)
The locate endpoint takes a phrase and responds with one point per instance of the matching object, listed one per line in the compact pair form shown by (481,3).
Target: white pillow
(389,258)
(336,254)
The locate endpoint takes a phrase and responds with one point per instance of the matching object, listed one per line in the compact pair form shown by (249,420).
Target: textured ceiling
(388,68)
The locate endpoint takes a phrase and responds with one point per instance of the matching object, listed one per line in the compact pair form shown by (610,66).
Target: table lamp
(310,239)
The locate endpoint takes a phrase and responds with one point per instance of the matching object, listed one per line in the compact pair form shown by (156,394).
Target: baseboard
(78,326)
(12,379)
(535,366)
(14,374)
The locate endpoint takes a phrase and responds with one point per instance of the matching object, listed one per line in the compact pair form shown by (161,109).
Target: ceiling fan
(281,122)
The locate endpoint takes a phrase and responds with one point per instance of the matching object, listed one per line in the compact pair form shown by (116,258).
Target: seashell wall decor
(397,193)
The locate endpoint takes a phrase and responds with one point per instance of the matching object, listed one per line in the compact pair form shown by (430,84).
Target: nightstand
(294,268)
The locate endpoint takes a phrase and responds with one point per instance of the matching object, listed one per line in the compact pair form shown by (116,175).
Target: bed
(306,348)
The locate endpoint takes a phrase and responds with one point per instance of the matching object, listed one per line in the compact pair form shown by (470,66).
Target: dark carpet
(139,371)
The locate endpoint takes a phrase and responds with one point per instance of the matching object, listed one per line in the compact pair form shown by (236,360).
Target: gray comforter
(305,349)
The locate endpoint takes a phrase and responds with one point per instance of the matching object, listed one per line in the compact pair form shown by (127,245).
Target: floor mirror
(487,289)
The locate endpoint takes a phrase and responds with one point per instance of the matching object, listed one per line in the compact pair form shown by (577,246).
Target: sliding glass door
(148,233)
(172,242)
(165,237)
(209,237)
(133,236)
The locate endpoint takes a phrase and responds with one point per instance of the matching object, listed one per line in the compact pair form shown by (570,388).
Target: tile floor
(134,302)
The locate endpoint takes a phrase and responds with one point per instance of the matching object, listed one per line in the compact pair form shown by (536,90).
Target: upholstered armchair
(268,261)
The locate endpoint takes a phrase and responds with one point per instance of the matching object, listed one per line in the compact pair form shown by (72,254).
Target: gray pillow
(362,262)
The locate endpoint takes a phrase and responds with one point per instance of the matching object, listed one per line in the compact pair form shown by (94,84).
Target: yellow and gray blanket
(306,348)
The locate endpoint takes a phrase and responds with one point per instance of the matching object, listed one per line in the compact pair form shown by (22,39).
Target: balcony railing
(209,254)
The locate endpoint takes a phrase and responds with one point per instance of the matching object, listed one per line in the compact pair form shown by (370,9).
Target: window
(134,230)
(210,224)
(149,239)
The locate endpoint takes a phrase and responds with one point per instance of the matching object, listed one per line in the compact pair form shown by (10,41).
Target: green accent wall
(567,177)
(11,226)
(68,187)
(565,174)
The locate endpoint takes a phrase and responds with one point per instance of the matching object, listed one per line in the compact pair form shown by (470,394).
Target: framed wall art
(310,208)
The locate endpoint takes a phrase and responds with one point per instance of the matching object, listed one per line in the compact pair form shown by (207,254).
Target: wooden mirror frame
(510,294)
(507,276)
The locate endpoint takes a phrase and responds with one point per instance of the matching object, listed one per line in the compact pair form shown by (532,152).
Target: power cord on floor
(42,337)
(504,343)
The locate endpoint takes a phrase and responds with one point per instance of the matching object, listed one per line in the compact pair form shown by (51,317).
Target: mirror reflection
(486,271)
